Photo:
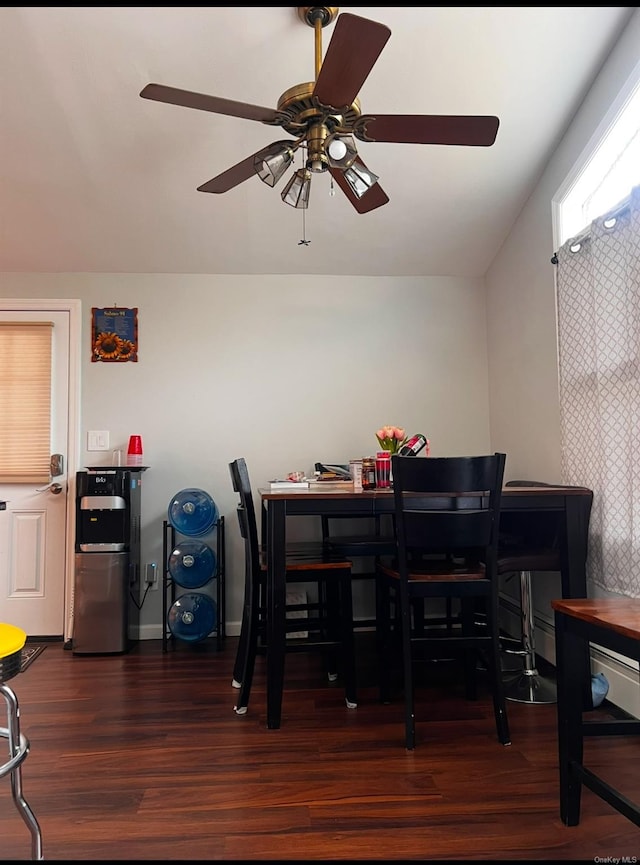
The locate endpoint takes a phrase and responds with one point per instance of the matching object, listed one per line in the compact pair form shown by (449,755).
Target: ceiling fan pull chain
(304,241)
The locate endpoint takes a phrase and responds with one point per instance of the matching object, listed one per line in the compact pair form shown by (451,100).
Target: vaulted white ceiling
(95,179)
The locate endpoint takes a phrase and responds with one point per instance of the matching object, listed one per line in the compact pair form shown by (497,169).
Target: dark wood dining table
(612,623)
(570,507)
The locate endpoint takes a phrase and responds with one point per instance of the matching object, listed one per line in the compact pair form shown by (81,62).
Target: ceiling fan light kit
(325,118)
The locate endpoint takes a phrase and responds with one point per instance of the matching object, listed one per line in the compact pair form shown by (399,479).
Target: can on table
(383,470)
(355,469)
(368,473)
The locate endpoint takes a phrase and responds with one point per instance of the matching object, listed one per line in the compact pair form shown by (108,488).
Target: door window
(25,401)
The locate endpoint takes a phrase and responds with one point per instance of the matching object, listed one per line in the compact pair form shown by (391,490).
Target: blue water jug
(192,512)
(192,617)
(192,564)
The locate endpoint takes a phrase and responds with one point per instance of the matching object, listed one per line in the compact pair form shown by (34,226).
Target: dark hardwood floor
(141,757)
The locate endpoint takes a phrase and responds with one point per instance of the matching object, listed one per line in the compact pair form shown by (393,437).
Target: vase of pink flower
(391,438)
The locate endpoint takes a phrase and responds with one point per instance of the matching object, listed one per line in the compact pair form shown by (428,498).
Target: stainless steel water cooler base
(100,604)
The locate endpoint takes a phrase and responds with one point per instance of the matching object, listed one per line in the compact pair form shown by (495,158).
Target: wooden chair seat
(311,556)
(438,571)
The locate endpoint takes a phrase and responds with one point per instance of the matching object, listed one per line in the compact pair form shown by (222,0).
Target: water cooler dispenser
(107,558)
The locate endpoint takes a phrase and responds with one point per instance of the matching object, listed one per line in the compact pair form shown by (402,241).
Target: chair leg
(241,651)
(495,672)
(18,750)
(349,655)
(407,668)
(384,637)
(528,686)
(251,600)
(337,618)
(330,613)
(246,659)
(470,656)
(382,610)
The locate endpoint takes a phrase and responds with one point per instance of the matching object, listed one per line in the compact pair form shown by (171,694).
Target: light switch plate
(98,440)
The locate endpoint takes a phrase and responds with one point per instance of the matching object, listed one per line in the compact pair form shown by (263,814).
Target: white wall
(521,320)
(283,371)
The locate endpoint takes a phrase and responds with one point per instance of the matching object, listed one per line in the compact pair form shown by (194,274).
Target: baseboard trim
(232,629)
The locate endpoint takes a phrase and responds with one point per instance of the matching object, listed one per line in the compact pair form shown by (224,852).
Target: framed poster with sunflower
(114,334)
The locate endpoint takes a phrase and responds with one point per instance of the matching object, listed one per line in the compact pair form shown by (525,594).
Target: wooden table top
(621,615)
(333,492)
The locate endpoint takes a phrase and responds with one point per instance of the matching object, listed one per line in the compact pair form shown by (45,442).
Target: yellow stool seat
(12,639)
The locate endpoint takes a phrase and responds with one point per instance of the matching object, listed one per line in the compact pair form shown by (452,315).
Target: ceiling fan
(325,118)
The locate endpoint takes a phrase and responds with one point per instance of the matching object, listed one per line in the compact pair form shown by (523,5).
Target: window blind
(25,401)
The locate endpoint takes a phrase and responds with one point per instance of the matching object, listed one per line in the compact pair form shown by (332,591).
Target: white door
(36,528)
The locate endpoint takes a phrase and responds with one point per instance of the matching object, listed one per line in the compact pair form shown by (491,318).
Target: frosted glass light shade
(341,151)
(360,179)
(296,192)
(272,164)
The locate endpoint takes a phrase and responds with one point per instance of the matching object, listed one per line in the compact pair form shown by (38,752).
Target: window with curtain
(25,401)
(598,303)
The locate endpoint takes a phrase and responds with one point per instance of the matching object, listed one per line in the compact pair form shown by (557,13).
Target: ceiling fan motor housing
(298,108)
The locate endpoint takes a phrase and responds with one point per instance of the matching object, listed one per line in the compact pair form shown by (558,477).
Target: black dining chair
(363,539)
(447,512)
(365,547)
(326,624)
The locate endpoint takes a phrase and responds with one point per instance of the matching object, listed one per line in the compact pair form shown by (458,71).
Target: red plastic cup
(134,453)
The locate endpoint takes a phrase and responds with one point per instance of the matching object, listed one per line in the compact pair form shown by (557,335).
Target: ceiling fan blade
(428,129)
(374,197)
(233,176)
(355,46)
(189,99)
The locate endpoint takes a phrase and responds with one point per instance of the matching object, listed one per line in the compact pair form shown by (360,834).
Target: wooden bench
(613,623)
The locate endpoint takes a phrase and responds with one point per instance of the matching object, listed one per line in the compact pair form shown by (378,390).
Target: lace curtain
(598,298)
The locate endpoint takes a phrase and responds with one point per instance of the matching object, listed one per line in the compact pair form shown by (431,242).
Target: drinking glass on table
(383,470)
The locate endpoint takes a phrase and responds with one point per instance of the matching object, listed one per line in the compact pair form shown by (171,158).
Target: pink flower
(391,438)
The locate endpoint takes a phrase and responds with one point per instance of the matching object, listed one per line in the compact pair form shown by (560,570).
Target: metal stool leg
(18,750)
(529,686)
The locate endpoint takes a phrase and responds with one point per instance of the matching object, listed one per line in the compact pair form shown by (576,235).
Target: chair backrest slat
(452,528)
